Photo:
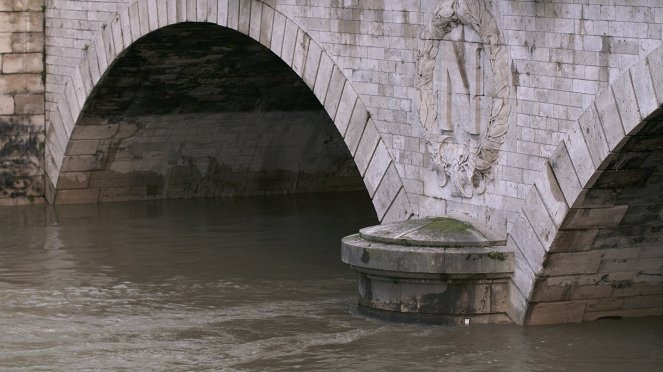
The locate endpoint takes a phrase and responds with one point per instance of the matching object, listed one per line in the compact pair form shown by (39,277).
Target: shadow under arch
(271,29)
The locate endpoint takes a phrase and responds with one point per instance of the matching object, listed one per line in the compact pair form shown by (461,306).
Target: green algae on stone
(449,225)
(496,256)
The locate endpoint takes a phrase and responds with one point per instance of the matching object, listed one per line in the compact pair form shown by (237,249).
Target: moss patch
(497,256)
(449,225)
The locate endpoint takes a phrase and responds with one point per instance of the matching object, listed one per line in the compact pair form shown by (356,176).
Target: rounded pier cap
(430,232)
(428,246)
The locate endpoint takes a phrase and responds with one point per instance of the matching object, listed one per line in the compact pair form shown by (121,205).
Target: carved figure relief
(463,93)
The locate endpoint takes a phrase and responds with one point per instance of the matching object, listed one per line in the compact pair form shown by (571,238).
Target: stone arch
(588,240)
(273,30)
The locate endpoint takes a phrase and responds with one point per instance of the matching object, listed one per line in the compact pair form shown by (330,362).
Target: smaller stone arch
(588,241)
(262,23)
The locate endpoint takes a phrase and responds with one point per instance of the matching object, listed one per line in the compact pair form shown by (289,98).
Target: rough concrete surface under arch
(198,110)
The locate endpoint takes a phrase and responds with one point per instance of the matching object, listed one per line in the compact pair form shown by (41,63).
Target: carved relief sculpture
(463,107)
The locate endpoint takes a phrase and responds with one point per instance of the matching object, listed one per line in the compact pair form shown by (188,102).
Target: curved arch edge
(556,208)
(270,28)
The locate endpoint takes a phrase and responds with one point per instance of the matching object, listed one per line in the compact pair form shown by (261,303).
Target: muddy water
(249,284)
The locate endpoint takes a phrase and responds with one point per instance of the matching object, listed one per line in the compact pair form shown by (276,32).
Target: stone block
(244,19)
(29,104)
(28,5)
(550,289)
(597,198)
(311,65)
(233,14)
(6,105)
(289,40)
(400,209)
(562,167)
(556,312)
(191,11)
(376,168)
(93,64)
(171,11)
(71,99)
(334,92)
(82,147)
(100,50)
(356,126)
(134,21)
(552,195)
(114,194)
(591,292)
(106,38)
(655,61)
(611,179)
(162,14)
(518,304)
(626,103)
(222,13)
(301,50)
(266,25)
(538,217)
(73,180)
(256,20)
(6,43)
(631,264)
(588,218)
(82,86)
(21,21)
(82,163)
(24,42)
(604,304)
(367,145)
(525,239)
(558,264)
(345,107)
(579,153)
(278,30)
(152,14)
(325,70)
(21,83)
(606,108)
(644,88)
(386,191)
(125,24)
(86,132)
(82,196)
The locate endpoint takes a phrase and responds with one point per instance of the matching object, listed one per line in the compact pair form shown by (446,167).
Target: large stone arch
(589,238)
(276,32)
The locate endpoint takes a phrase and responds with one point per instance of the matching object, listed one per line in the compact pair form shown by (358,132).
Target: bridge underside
(607,258)
(197,110)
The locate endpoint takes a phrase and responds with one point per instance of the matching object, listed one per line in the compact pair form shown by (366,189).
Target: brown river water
(245,285)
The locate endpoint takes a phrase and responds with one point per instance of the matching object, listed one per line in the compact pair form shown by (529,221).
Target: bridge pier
(432,270)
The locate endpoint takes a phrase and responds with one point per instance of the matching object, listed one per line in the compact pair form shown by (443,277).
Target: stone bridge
(537,119)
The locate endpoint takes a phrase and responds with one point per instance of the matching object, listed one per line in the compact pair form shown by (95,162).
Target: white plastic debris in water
(467,321)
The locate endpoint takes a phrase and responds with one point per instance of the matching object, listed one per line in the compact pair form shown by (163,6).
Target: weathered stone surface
(594,217)
(572,263)
(591,87)
(562,167)
(430,267)
(552,195)
(606,108)
(556,312)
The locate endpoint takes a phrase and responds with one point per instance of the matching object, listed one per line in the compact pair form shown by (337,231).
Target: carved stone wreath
(465,168)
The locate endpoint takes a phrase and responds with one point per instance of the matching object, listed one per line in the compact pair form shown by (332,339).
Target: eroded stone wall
(21,101)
